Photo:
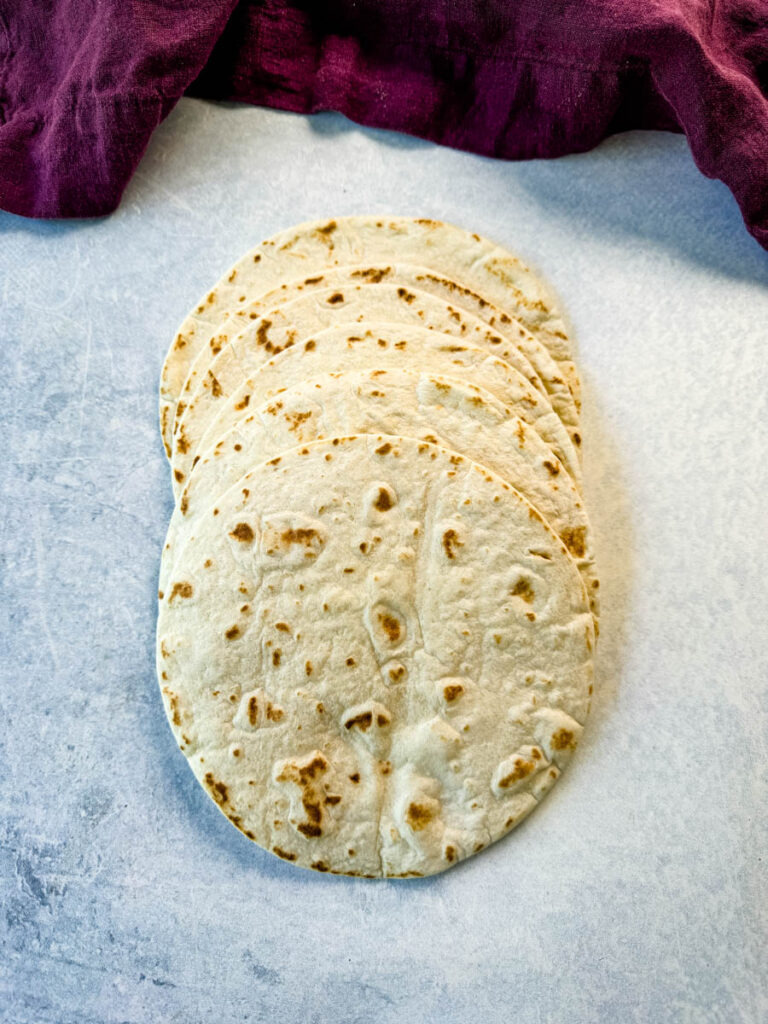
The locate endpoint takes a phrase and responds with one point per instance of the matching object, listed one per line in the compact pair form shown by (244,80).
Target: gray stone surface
(637,891)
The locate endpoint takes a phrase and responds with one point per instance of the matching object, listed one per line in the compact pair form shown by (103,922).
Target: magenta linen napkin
(84,83)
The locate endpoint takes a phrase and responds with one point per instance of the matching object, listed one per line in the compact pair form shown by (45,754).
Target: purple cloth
(84,83)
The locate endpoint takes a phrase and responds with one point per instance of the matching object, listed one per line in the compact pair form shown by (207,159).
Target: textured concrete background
(637,891)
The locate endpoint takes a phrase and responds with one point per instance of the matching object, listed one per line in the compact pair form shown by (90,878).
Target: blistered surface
(635,892)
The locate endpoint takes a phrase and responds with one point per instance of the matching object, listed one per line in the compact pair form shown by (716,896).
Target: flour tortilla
(384,346)
(296,321)
(443,410)
(468,259)
(376,656)
(405,281)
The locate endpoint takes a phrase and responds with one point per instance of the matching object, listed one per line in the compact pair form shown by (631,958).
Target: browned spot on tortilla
(283,853)
(332,800)
(396,674)
(450,854)
(355,777)
(349,569)
(335,298)
(302,535)
(216,390)
(253,710)
(243,532)
(520,771)
(363,721)
(219,791)
(575,539)
(181,590)
(180,342)
(374,275)
(384,449)
(524,590)
(308,668)
(319,865)
(276,656)
(552,467)
(179,475)
(405,295)
(576,438)
(418,816)
(391,626)
(327,229)
(452,692)
(383,501)
(243,403)
(351,664)
(232,632)
(562,740)
(274,714)
(295,419)
(173,703)
(160,595)
(283,627)
(262,334)
(451,542)
(182,442)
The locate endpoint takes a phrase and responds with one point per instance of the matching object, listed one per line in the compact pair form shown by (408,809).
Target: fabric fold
(534,78)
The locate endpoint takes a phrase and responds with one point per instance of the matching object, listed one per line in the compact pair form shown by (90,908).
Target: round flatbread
(442,410)
(474,262)
(407,285)
(376,656)
(220,402)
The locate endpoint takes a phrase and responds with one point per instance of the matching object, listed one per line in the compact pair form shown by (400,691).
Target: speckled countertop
(637,891)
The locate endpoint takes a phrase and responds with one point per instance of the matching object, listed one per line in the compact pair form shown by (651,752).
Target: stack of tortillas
(377,595)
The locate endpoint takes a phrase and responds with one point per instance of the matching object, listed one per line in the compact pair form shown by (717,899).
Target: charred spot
(355,777)
(173,703)
(283,853)
(450,854)
(453,692)
(243,532)
(520,771)
(232,632)
(575,539)
(363,721)
(562,739)
(328,228)
(253,710)
(384,449)
(302,535)
(451,542)
(308,668)
(405,295)
(418,816)
(243,403)
(552,467)
(178,475)
(215,386)
(350,664)
(219,791)
(276,656)
(181,590)
(334,299)
(319,865)
(391,626)
(523,590)
(274,714)
(383,501)
(332,800)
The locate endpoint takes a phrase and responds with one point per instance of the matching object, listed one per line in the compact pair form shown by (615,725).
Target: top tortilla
(375,655)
